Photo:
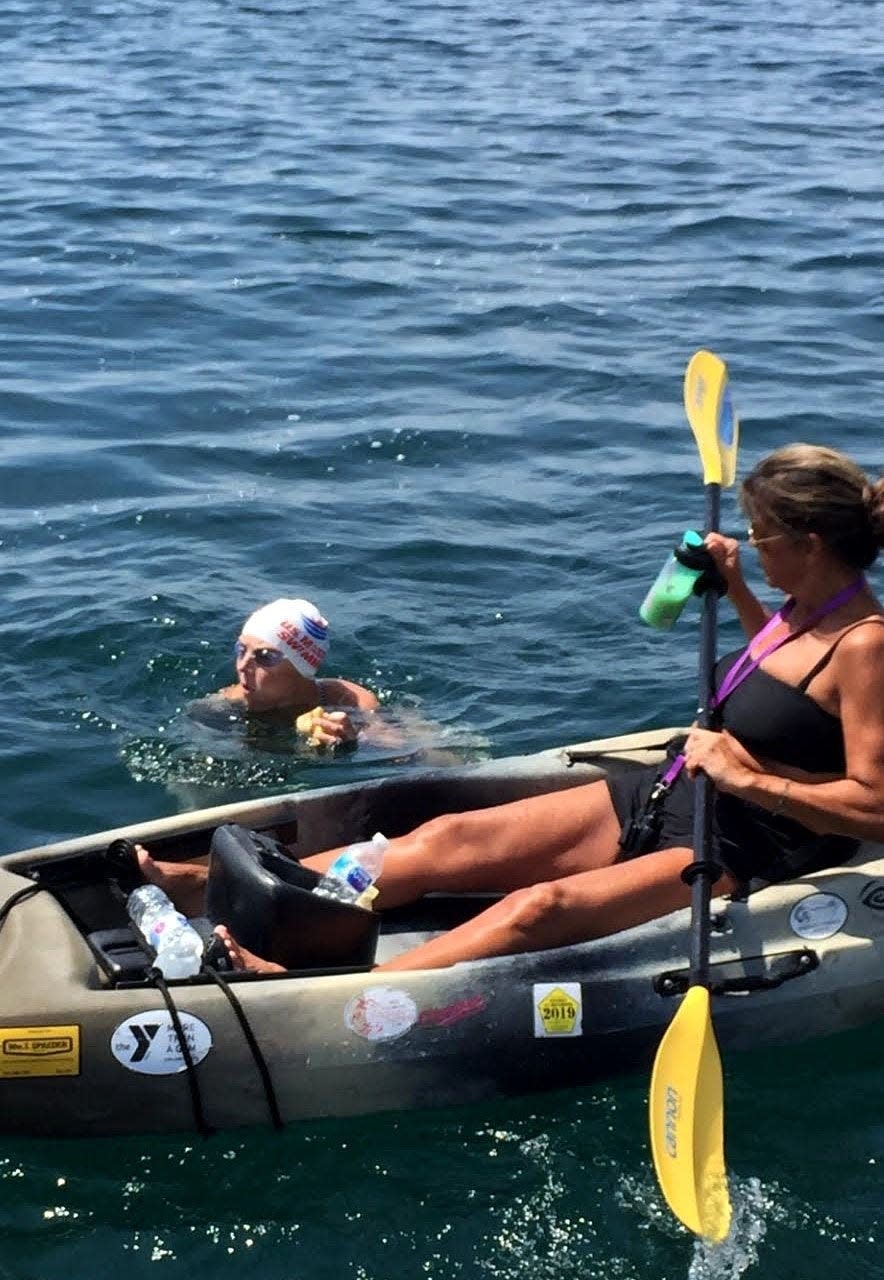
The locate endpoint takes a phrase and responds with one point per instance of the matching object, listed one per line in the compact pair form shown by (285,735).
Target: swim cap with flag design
(296,628)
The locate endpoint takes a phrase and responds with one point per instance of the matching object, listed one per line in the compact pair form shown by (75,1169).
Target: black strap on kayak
(21,895)
(157,980)
(257,1055)
(203,1128)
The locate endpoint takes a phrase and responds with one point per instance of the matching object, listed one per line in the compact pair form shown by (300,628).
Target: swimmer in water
(277,654)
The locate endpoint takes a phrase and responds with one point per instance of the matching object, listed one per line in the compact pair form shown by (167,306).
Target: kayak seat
(265,898)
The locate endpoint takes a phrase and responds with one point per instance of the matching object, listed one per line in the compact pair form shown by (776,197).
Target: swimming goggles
(263,658)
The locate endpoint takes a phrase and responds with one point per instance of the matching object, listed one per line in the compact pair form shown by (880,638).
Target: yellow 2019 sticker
(558,1009)
(39,1051)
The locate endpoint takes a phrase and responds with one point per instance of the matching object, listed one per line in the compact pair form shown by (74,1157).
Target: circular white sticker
(381,1013)
(148,1043)
(819,915)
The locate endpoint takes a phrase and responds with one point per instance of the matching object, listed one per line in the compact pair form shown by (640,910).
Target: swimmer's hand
(324,728)
(304,722)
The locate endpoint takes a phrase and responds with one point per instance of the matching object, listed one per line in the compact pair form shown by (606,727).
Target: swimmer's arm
(346,693)
(332,725)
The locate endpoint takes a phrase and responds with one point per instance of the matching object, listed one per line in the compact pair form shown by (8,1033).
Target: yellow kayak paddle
(687,1095)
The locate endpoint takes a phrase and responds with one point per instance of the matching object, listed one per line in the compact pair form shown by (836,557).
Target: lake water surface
(388,305)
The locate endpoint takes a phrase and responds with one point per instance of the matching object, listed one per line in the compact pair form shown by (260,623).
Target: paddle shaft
(701,886)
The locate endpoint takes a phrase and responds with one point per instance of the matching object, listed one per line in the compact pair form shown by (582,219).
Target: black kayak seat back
(264,896)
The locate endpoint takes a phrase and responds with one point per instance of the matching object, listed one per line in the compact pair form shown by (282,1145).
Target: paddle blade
(707,402)
(687,1120)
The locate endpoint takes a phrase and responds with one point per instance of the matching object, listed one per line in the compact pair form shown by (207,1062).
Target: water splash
(754,1206)
(539,1234)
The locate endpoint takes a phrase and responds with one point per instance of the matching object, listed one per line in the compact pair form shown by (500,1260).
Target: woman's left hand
(721,757)
(333,729)
(324,728)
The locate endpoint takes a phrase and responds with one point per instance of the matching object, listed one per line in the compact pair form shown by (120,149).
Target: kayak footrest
(744,976)
(120,954)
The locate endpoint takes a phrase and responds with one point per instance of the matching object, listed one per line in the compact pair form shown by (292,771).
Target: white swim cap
(296,628)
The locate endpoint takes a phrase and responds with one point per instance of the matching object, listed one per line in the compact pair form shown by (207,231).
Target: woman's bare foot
(184,882)
(240,958)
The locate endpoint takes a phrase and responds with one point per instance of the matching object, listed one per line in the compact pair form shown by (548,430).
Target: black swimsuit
(779,721)
(773,720)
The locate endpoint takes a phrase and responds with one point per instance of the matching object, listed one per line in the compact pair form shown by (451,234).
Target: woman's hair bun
(874,499)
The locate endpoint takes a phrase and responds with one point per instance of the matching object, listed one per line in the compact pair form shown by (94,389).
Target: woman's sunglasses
(264,658)
(760,542)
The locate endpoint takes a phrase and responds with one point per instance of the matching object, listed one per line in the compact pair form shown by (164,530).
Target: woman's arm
(335,727)
(749,609)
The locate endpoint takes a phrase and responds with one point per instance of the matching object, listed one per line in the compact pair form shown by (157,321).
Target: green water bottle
(673,586)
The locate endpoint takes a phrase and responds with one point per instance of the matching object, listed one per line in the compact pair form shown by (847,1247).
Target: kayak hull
(83,1052)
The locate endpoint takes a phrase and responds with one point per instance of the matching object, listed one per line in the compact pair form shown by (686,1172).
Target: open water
(388,305)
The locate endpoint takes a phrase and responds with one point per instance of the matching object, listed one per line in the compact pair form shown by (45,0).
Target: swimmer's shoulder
(230,693)
(335,692)
(216,709)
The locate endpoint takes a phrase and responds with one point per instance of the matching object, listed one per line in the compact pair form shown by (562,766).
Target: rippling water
(388,306)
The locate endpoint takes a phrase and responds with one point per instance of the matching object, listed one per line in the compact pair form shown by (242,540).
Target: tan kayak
(89,1044)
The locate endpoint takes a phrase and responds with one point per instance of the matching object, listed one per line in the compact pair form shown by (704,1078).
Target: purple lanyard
(746,664)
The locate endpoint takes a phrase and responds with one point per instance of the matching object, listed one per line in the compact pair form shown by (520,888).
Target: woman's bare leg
(240,958)
(499,849)
(590,904)
(573,909)
(184,882)
(504,848)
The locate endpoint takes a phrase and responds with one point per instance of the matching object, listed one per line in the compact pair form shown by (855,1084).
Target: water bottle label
(358,878)
(157,930)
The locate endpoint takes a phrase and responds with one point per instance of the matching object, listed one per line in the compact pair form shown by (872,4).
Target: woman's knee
(449,833)
(534,910)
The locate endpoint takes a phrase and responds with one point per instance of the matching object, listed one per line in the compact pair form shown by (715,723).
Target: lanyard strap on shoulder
(746,664)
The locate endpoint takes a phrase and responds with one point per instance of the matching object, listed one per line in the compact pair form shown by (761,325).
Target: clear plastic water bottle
(178,946)
(352,874)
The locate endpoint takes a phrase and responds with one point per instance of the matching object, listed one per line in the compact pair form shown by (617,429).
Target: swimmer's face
(265,677)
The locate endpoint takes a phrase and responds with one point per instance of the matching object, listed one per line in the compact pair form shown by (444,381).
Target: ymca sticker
(819,915)
(558,1009)
(148,1043)
(381,1013)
